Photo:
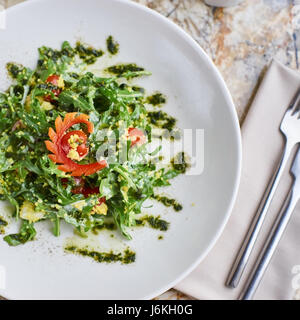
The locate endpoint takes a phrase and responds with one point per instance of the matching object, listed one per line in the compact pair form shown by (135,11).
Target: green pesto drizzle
(153,222)
(160,237)
(156,99)
(55,55)
(168,202)
(88,54)
(162,120)
(18,72)
(105,226)
(121,69)
(112,45)
(127,257)
(14,69)
(179,163)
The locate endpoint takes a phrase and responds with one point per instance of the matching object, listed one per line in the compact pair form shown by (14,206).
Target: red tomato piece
(88,192)
(53,79)
(136,136)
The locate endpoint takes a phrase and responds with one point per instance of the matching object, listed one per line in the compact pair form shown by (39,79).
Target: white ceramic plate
(197,96)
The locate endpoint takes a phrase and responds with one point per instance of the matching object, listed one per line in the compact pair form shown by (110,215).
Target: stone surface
(241,41)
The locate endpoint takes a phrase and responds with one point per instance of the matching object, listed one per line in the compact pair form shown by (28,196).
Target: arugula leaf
(69,98)
(27,233)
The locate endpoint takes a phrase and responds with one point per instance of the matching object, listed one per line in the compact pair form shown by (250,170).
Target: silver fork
(290,128)
(275,234)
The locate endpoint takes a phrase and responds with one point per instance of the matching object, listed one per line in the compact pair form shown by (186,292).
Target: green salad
(74,146)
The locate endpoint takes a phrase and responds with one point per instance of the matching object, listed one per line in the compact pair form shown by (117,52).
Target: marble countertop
(241,41)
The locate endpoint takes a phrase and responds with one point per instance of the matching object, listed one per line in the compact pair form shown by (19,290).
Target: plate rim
(233,114)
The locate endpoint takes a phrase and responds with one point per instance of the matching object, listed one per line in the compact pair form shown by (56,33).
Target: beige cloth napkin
(262,147)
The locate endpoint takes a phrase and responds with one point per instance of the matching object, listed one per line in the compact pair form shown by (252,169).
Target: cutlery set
(290,128)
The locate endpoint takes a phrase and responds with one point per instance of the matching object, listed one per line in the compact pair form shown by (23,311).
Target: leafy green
(113,106)
(27,233)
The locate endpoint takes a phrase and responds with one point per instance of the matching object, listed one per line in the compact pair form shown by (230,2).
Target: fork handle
(270,246)
(243,255)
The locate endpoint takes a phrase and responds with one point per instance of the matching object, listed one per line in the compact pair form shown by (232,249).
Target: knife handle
(245,251)
(270,245)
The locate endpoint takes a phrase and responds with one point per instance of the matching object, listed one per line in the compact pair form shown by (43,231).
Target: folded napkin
(262,148)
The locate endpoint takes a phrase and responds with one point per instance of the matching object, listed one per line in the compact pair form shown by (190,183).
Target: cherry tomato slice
(136,136)
(48,97)
(88,192)
(53,79)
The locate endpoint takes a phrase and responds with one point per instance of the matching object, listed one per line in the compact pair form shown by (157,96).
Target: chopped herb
(119,69)
(156,99)
(153,222)
(179,163)
(157,223)
(169,202)
(19,72)
(162,120)
(112,45)
(130,70)
(14,69)
(127,257)
(88,54)
(105,226)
